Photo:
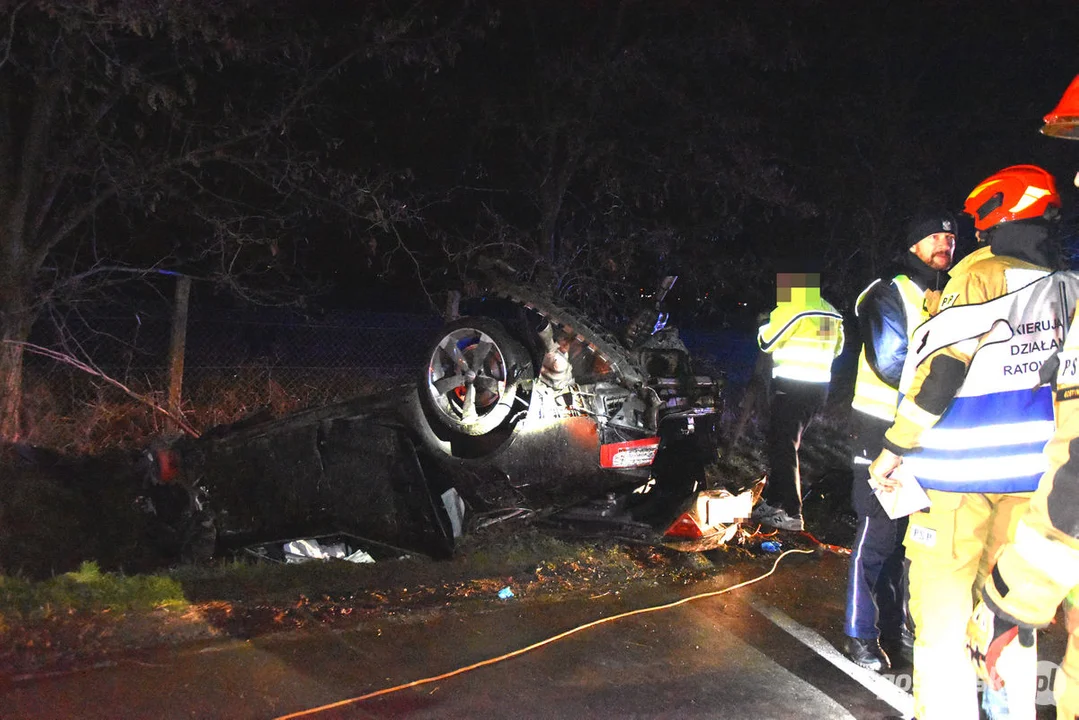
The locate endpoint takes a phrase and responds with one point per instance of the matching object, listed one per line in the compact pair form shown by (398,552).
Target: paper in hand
(905,500)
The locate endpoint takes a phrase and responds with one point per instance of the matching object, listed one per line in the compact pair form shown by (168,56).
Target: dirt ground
(533,564)
(60,511)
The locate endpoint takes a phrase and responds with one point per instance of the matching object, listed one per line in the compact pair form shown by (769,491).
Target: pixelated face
(828,328)
(798,287)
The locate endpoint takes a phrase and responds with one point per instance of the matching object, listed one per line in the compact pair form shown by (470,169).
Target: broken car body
(529,409)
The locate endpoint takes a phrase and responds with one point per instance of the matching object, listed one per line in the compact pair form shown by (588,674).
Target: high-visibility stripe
(802,374)
(872,395)
(876,402)
(808,340)
(929,455)
(996,473)
(1055,559)
(989,436)
(766,344)
(962,453)
(913,413)
(993,434)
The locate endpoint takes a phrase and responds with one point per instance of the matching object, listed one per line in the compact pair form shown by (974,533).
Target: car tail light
(166,465)
(685,527)
(712,519)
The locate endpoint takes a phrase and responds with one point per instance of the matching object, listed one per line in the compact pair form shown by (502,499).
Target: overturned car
(528,410)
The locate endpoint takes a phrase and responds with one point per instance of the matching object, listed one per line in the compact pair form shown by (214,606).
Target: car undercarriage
(529,410)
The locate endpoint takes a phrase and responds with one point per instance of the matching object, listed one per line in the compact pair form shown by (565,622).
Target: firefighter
(1039,569)
(973,420)
(803,335)
(888,312)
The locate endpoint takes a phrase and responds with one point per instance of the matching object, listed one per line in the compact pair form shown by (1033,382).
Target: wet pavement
(764,651)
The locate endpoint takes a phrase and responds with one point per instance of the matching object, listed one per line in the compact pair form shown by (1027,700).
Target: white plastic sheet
(307,549)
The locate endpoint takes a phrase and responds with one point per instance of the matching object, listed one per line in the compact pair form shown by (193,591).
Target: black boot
(867,654)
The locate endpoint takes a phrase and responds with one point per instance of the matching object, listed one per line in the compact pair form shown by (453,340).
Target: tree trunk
(14,328)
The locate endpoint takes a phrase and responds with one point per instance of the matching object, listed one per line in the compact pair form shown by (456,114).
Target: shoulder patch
(1068,393)
(948,300)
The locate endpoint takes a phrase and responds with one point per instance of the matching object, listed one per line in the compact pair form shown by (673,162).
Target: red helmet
(1019,192)
(1063,121)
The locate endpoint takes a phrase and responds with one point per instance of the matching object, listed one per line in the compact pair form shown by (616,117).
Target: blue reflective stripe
(998,409)
(983,411)
(1027,483)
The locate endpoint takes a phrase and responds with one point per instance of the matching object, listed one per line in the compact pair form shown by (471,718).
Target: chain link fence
(235,364)
(241,363)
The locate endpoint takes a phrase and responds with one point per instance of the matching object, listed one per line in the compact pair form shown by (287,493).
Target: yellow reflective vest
(872,395)
(803,337)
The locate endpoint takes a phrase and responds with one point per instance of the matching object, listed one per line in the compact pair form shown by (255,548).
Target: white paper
(905,500)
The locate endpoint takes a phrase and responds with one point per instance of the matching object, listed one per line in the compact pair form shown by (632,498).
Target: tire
(473,369)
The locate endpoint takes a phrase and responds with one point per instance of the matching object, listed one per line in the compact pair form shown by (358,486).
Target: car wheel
(473,370)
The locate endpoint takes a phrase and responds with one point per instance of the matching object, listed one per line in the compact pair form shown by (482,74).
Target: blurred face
(797,287)
(935,250)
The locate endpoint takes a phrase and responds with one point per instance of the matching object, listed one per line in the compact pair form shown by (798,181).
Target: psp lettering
(1069,364)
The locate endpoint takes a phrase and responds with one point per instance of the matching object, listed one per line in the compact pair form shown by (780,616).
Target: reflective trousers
(875,580)
(875,586)
(950,548)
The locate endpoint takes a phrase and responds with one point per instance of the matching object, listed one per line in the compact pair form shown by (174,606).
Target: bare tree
(620,140)
(138,137)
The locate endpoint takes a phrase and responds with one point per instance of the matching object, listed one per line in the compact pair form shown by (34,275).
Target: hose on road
(491,661)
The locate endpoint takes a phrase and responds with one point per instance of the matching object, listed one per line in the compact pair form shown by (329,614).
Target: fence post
(178,342)
(453,306)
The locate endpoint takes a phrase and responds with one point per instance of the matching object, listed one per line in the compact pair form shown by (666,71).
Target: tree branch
(80,365)
(77,217)
(35,152)
(10,34)
(71,156)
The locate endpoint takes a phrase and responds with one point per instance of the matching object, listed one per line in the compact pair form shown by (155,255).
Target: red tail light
(168,465)
(685,527)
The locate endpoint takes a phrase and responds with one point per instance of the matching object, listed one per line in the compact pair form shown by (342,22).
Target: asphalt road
(765,651)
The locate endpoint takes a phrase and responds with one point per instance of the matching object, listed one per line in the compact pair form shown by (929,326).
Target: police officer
(972,423)
(803,335)
(1040,568)
(888,312)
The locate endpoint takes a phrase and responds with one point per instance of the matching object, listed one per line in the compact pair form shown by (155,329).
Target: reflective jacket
(1042,561)
(987,358)
(900,307)
(803,337)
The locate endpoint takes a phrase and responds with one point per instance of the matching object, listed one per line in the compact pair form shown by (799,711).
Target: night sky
(597,145)
(864,112)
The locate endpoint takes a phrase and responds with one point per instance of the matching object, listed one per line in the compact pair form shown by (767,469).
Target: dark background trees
(282,151)
(204,138)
